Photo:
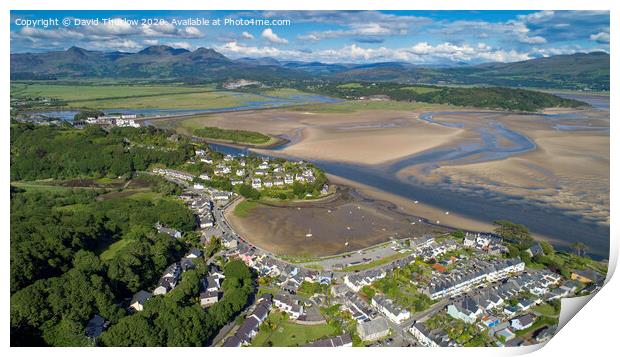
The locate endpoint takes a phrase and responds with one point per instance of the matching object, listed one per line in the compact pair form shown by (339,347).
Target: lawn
(288,333)
(546,310)
(243,208)
(540,323)
(114,248)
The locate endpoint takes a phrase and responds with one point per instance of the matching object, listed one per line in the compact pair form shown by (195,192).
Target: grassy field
(287,333)
(44,186)
(350,85)
(234,136)
(243,208)
(114,248)
(136,97)
(421,90)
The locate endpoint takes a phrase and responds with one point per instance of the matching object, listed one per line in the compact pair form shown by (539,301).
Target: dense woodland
(77,252)
(478,97)
(41,152)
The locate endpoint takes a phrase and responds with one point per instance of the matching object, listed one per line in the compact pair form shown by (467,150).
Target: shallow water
(482,205)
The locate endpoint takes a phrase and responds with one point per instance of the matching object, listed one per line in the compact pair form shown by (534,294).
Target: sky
(419,37)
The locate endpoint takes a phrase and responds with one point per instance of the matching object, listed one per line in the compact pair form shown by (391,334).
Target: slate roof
(95,326)
(232,341)
(140,297)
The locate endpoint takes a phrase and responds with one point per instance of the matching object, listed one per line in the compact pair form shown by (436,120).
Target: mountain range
(575,71)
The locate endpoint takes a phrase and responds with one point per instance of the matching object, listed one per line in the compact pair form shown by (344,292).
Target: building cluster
(287,303)
(488,243)
(203,207)
(260,173)
(503,307)
(360,310)
(470,273)
(250,326)
(174,174)
(389,309)
(211,287)
(358,280)
(121,120)
(169,231)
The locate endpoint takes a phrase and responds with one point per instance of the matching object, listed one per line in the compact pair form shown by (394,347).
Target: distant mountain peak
(162,50)
(208,53)
(77,50)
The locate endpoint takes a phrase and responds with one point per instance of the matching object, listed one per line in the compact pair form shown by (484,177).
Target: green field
(287,333)
(359,105)
(421,90)
(135,97)
(243,208)
(350,85)
(234,136)
(114,248)
(44,186)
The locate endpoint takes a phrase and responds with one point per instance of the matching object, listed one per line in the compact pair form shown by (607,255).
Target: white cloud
(182,44)
(421,53)
(236,49)
(601,37)
(151,42)
(247,35)
(364,30)
(271,36)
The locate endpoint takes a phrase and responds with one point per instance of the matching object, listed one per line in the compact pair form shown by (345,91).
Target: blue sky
(421,37)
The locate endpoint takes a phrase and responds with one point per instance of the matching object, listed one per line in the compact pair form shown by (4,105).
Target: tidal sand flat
(368,137)
(549,171)
(346,222)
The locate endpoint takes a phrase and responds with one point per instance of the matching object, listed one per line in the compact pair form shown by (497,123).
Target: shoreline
(381,223)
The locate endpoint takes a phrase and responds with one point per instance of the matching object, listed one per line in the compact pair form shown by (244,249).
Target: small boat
(309,234)
(346,243)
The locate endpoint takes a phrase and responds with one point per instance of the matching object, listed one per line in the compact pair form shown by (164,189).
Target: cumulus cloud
(235,49)
(422,52)
(151,42)
(181,44)
(272,37)
(365,26)
(601,37)
(246,35)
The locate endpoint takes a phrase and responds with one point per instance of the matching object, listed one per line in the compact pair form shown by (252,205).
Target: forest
(42,152)
(479,97)
(76,252)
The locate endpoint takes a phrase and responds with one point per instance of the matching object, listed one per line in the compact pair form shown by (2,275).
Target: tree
(513,232)
(249,192)
(580,248)
(458,234)
(547,247)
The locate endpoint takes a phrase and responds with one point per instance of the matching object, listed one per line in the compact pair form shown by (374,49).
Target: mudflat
(346,222)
